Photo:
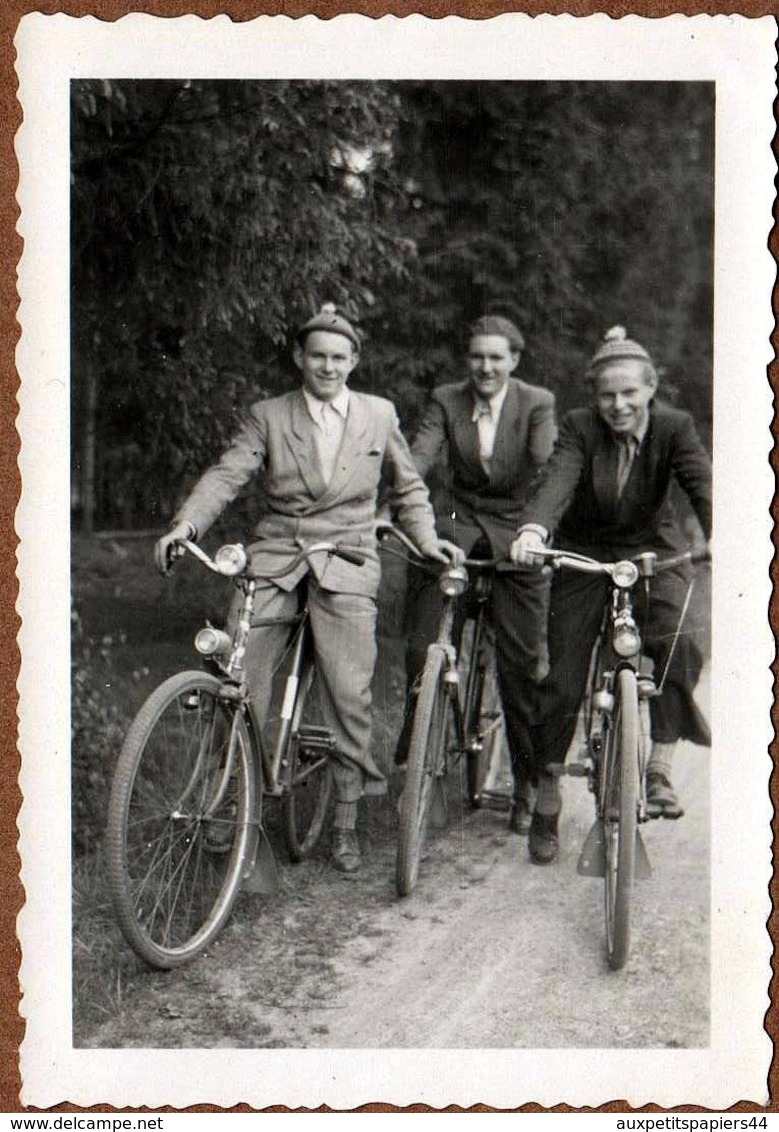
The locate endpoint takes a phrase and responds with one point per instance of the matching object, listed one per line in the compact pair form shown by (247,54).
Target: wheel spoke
(180,819)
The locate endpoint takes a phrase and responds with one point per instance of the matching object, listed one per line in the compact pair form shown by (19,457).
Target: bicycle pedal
(316,738)
(491,800)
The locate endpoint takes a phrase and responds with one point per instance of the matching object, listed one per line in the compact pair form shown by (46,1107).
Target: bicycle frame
(615,751)
(466,703)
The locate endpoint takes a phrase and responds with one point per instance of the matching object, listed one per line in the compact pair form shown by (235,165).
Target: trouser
(575,616)
(343,628)
(518,608)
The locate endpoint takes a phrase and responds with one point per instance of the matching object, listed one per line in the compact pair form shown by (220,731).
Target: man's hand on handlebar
(441,550)
(168,548)
(523,549)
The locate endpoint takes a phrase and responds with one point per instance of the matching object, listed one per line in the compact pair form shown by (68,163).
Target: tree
(209,217)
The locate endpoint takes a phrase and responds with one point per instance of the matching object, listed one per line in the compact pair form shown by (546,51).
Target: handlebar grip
(350,554)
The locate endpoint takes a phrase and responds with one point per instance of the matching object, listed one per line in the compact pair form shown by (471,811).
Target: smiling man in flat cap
(323,450)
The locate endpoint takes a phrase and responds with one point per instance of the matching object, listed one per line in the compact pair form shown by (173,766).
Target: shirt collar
(316,407)
(495,404)
(639,433)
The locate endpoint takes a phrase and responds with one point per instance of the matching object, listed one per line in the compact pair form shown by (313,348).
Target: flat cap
(327,318)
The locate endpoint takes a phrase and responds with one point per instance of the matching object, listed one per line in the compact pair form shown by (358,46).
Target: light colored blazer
(277,440)
(472,503)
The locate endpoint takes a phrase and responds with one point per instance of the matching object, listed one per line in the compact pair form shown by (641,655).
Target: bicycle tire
(620,815)
(180,820)
(473,672)
(478,753)
(425,761)
(304,807)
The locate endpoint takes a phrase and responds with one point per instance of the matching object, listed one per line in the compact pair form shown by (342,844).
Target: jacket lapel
(466,433)
(506,422)
(300,439)
(604,471)
(357,421)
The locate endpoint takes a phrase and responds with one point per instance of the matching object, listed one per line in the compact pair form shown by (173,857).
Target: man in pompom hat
(322,450)
(605,493)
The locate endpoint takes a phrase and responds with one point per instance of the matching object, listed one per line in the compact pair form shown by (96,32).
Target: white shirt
(486,414)
(329,418)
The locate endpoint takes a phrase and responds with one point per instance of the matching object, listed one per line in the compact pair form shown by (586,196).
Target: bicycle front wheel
(620,815)
(180,819)
(304,806)
(425,764)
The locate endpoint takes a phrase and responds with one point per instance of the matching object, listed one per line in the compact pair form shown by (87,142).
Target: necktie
(626,453)
(486,426)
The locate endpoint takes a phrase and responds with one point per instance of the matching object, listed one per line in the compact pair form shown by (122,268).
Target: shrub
(96,734)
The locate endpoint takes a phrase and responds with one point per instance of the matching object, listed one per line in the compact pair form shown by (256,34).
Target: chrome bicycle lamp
(625,574)
(625,638)
(230,559)
(453,581)
(213,642)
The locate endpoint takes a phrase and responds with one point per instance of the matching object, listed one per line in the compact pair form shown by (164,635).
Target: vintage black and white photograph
(394,508)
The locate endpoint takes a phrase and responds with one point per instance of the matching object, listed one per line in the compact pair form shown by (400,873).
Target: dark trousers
(575,614)
(518,610)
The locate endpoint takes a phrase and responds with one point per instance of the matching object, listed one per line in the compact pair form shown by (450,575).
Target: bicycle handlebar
(347,553)
(647,561)
(383,529)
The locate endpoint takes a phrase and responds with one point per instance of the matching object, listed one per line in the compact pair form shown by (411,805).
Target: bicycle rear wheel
(425,764)
(304,807)
(620,815)
(180,819)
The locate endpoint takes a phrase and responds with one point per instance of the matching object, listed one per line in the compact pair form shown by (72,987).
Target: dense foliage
(209,217)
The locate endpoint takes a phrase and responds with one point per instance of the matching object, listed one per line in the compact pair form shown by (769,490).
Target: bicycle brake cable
(677,634)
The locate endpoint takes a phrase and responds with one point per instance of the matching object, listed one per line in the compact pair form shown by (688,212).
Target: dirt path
(489,951)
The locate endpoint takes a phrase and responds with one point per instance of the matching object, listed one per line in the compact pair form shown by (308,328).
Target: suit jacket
(485,504)
(577,498)
(277,439)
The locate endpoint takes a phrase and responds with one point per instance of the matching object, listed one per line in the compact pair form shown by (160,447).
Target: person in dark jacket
(494,432)
(605,493)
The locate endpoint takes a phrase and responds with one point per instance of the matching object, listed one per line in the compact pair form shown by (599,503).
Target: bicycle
(616,736)
(451,726)
(185,814)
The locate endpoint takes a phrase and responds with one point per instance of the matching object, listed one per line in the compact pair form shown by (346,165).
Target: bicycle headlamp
(230,559)
(453,581)
(625,574)
(212,642)
(625,640)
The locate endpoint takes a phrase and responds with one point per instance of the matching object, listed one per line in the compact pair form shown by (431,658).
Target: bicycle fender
(592,859)
(261,874)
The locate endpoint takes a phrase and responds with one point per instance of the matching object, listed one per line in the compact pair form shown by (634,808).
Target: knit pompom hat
(616,346)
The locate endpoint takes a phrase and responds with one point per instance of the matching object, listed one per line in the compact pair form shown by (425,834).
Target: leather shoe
(346,851)
(543,842)
(520,817)
(661,799)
